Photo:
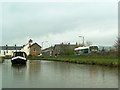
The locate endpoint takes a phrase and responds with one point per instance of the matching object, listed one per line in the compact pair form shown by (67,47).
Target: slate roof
(34,44)
(59,46)
(10,47)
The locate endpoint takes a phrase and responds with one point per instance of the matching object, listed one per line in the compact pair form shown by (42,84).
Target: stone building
(31,48)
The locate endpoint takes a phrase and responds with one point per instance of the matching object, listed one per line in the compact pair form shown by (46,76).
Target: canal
(51,74)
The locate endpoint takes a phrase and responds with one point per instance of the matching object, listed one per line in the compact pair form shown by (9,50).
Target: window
(34,50)
(94,48)
(85,50)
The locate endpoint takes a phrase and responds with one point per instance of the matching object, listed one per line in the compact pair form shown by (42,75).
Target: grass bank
(106,61)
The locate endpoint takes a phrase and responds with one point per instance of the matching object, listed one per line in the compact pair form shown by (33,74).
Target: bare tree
(117,46)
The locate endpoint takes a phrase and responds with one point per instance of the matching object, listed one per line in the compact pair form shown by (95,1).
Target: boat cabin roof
(20,53)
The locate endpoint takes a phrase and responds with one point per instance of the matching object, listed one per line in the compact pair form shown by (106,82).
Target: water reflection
(49,74)
(18,67)
(33,67)
(0,76)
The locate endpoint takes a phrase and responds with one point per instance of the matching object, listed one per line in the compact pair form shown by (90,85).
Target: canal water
(51,74)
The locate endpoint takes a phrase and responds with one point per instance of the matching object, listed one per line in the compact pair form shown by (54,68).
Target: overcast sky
(58,22)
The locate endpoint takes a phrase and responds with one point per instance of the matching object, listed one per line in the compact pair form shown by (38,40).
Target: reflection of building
(32,48)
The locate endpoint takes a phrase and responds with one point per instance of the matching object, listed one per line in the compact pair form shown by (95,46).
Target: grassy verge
(106,61)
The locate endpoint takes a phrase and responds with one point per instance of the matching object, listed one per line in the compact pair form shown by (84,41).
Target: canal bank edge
(114,62)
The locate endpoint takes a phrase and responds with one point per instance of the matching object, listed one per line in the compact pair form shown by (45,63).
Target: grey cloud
(23,20)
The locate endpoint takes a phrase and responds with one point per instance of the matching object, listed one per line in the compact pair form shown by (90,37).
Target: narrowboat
(19,58)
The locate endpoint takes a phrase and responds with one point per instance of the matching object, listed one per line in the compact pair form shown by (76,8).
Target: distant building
(63,49)
(31,48)
(59,49)
(35,49)
(8,50)
(47,51)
